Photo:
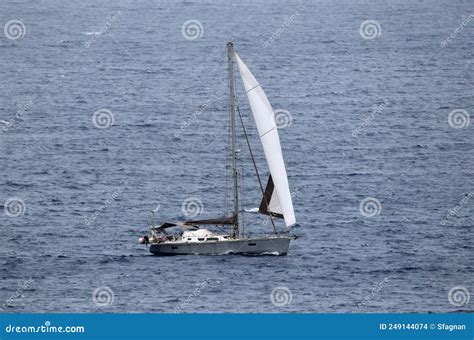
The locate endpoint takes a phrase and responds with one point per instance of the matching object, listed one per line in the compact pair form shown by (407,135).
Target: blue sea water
(368,118)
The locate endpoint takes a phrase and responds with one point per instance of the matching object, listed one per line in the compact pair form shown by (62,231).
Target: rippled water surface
(369,119)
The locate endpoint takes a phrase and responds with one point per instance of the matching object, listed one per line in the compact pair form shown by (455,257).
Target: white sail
(274,205)
(267,129)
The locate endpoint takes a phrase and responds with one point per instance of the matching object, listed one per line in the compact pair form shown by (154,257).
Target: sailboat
(276,197)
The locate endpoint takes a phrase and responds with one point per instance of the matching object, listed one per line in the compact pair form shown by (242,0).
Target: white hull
(271,245)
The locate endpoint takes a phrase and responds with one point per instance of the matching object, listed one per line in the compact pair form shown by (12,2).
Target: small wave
(145,125)
(19,185)
(330,42)
(252,210)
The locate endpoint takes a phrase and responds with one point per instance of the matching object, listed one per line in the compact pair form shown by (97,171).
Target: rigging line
(241,189)
(255,166)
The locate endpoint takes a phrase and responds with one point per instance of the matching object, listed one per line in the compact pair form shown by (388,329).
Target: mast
(230,51)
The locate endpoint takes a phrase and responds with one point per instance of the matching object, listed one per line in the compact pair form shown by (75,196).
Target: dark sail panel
(270,204)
